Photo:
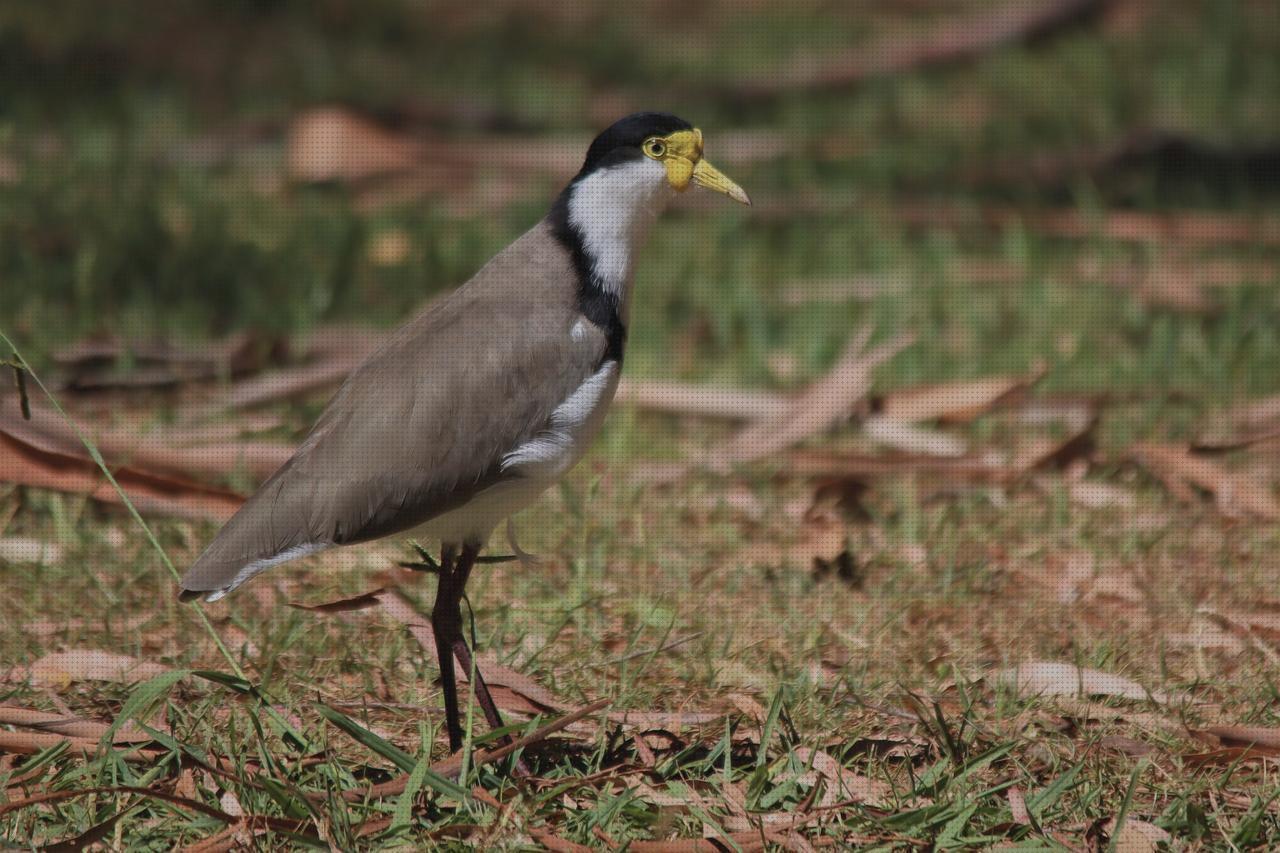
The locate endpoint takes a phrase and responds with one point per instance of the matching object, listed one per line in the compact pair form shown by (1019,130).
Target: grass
(120,221)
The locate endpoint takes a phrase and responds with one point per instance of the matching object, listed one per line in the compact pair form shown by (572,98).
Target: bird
(472,409)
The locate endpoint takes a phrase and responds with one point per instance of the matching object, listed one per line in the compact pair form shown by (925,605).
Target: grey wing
(418,430)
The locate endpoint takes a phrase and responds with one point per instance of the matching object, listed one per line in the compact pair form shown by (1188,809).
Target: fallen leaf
(335,144)
(345,605)
(1209,639)
(24,549)
(156,450)
(906,436)
(1018,806)
(28,465)
(230,804)
(1235,492)
(1127,745)
(1050,678)
(1244,735)
(845,784)
(822,405)
(705,401)
(62,668)
(1095,494)
(95,364)
(1137,836)
(70,726)
(1086,710)
(749,708)
(669,720)
(1230,755)
(955,402)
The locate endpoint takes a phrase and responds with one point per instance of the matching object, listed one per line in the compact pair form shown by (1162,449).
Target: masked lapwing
(471,410)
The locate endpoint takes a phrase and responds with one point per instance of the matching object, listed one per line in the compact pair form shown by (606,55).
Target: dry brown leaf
(30,465)
(334,144)
(1095,494)
(747,842)
(909,438)
(822,405)
(334,352)
(1230,755)
(1086,710)
(1244,735)
(749,708)
(1207,638)
(24,549)
(1018,806)
(1052,678)
(1256,414)
(345,605)
(32,743)
(685,399)
(1127,745)
(93,364)
(51,627)
(853,465)
(672,721)
(955,402)
(1137,836)
(1235,492)
(62,668)
(844,783)
(161,450)
(70,726)
(556,844)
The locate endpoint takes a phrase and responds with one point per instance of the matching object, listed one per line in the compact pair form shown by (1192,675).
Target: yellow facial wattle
(681,154)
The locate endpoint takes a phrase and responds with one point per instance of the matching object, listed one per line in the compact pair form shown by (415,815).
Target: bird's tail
(260,535)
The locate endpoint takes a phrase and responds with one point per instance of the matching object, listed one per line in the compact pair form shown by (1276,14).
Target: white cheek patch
(608,208)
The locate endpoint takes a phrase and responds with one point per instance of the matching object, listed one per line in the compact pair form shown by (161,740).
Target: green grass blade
(142,700)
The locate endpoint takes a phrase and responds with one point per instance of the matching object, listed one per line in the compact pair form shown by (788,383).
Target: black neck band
(597,304)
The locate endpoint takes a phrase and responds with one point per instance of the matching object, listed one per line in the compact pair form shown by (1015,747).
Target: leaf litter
(837,497)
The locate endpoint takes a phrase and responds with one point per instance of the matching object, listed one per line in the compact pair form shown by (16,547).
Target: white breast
(573,424)
(540,462)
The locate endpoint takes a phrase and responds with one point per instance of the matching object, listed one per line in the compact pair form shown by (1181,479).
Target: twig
(953,41)
(819,407)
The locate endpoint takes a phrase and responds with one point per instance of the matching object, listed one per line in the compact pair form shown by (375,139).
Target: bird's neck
(602,219)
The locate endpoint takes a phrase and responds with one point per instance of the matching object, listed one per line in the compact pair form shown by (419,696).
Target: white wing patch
(258,566)
(557,448)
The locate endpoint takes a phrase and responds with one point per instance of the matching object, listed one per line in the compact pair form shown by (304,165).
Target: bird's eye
(655,148)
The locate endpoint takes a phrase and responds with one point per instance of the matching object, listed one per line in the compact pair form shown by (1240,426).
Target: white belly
(538,464)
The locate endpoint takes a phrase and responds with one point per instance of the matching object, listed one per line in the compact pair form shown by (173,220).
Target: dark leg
(466,560)
(446,624)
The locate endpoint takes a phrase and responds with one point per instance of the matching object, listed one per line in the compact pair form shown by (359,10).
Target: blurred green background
(146,187)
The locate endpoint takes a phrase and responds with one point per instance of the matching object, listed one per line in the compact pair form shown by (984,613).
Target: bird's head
(657,150)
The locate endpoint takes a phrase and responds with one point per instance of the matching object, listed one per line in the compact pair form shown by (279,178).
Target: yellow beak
(706,175)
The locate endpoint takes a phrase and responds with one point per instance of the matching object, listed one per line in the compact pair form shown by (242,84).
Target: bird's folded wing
(422,426)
